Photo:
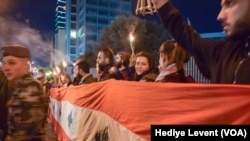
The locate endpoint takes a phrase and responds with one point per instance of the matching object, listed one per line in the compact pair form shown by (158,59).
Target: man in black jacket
(228,61)
(82,70)
(105,62)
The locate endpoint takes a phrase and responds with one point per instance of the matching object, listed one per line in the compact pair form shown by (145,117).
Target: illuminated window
(73,34)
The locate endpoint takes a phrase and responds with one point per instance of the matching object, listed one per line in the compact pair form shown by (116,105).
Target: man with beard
(122,63)
(76,78)
(228,61)
(105,62)
(82,70)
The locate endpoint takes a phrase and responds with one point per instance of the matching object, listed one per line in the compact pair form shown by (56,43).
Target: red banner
(137,105)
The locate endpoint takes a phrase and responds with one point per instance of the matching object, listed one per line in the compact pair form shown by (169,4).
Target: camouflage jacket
(27,111)
(6,88)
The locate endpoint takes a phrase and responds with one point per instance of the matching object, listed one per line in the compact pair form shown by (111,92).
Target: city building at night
(60,25)
(78,24)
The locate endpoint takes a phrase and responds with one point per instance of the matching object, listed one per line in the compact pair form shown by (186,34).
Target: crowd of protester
(124,66)
(22,90)
(24,97)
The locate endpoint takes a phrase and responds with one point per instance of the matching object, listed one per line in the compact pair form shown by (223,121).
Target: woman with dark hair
(144,68)
(172,58)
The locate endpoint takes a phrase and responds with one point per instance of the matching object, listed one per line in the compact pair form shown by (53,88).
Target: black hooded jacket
(228,61)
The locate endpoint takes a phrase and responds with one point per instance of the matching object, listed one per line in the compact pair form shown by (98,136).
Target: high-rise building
(60,14)
(78,24)
(60,25)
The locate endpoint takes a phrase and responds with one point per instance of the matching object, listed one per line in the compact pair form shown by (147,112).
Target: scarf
(166,71)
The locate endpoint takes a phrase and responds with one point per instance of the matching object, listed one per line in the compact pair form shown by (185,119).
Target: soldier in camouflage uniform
(27,107)
(6,88)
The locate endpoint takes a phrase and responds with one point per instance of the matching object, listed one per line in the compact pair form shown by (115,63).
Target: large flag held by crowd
(123,110)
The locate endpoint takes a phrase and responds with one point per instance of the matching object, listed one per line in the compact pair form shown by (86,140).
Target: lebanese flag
(123,110)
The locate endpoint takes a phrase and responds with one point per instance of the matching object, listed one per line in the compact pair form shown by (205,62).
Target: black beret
(15,50)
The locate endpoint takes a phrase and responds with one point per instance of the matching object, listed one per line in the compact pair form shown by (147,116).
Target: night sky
(202,13)
(29,23)
(40,13)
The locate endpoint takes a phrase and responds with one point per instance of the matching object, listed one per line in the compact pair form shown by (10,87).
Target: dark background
(41,13)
